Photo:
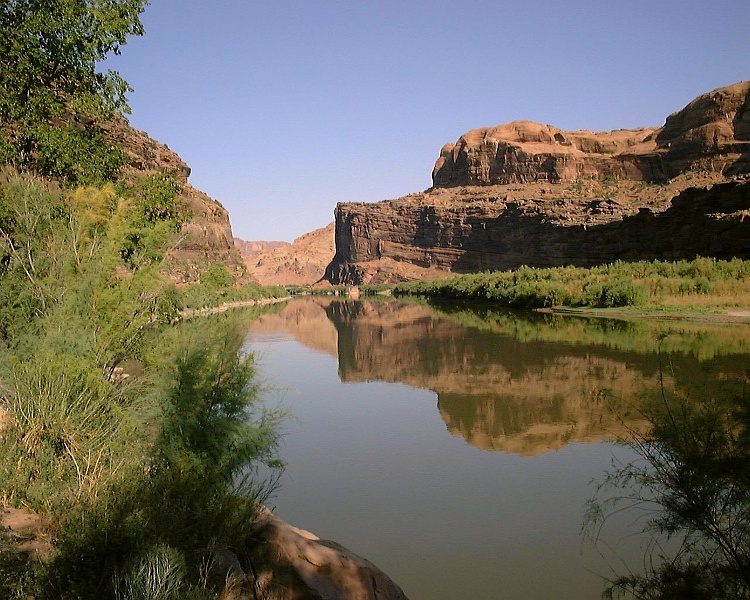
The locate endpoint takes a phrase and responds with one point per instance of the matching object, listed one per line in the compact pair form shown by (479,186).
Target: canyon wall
(303,262)
(711,133)
(525,193)
(206,239)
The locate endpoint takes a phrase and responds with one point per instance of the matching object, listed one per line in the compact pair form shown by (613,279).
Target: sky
(283,108)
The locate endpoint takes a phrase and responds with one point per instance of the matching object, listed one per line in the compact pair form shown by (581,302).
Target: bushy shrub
(159,574)
(615,294)
(216,277)
(537,295)
(69,424)
(615,284)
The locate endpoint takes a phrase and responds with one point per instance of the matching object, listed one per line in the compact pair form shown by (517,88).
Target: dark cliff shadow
(700,222)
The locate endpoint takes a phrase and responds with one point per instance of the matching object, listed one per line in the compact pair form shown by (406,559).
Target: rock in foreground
(291,564)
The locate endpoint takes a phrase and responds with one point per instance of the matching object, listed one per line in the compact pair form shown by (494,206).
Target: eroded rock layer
(711,133)
(531,194)
(303,262)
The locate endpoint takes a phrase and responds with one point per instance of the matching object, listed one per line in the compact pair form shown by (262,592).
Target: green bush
(216,277)
(538,295)
(159,574)
(70,424)
(615,294)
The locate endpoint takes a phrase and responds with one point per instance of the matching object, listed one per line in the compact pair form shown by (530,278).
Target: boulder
(291,564)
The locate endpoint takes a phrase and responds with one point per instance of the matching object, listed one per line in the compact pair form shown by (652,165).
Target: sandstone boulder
(291,564)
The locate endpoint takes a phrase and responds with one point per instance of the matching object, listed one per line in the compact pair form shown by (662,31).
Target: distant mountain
(303,262)
(250,249)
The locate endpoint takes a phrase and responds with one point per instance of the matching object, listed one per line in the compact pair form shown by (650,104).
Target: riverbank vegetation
(134,439)
(699,284)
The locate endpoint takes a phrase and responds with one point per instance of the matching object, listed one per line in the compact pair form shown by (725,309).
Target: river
(457,449)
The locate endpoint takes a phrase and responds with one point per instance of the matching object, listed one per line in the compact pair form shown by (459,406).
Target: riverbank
(739,316)
(215,310)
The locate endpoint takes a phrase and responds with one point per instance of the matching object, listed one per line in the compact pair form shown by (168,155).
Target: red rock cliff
(525,193)
(710,133)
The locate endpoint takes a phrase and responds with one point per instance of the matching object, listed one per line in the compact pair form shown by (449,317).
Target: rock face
(523,152)
(303,262)
(525,193)
(207,238)
(375,242)
(250,249)
(291,564)
(711,133)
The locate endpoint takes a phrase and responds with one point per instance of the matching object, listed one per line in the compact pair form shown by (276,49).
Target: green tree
(53,98)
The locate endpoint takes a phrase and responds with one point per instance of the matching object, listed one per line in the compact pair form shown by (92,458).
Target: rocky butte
(530,194)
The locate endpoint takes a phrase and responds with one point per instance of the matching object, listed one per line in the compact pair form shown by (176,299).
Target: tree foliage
(136,439)
(693,479)
(53,98)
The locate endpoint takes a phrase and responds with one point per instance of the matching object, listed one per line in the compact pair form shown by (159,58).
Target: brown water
(457,449)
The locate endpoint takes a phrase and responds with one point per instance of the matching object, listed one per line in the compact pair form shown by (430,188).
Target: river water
(456,449)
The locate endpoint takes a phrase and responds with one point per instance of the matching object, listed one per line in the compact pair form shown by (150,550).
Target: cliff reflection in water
(516,382)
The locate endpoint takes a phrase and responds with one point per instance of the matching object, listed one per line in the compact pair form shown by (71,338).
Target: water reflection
(517,382)
(372,467)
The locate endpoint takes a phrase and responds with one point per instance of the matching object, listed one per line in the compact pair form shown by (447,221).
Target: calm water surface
(456,450)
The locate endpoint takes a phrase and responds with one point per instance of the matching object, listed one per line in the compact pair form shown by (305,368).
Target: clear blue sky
(283,108)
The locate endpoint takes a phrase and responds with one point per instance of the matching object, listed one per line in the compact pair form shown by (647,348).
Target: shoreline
(202,312)
(741,317)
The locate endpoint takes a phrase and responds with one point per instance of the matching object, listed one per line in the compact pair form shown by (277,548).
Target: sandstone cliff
(207,238)
(711,133)
(303,262)
(525,193)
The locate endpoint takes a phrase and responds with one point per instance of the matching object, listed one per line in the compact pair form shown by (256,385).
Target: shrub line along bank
(700,284)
